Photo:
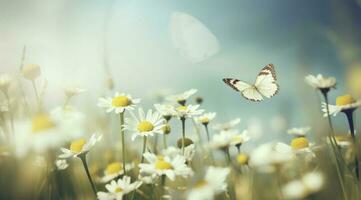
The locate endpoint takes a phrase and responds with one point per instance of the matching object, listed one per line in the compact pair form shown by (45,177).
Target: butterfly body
(264,86)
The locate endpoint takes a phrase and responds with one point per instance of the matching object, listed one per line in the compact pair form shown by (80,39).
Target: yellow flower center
(204,120)
(162,165)
(77,145)
(114,168)
(299,143)
(344,100)
(118,190)
(201,184)
(182,108)
(145,126)
(242,159)
(121,101)
(237,139)
(41,122)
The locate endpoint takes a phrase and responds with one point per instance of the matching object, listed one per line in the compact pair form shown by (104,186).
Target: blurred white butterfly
(265,85)
(192,38)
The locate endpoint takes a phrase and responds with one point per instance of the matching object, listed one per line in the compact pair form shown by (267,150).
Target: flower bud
(187,142)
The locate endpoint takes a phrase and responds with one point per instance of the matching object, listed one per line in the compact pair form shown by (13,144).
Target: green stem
(155,149)
(162,185)
(334,147)
(123,141)
(144,148)
(228,155)
(36,94)
(209,139)
(207,131)
(196,128)
(183,133)
(279,183)
(19,82)
(349,115)
(165,141)
(83,159)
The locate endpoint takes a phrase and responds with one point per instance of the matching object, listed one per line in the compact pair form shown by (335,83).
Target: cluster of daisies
(206,161)
(168,163)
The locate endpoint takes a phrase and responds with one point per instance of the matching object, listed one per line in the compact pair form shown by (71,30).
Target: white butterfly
(265,85)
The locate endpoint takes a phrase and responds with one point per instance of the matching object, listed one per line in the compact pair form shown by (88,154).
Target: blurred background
(85,42)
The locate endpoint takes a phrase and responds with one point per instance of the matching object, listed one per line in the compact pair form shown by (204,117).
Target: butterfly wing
(248,91)
(252,94)
(266,82)
(192,38)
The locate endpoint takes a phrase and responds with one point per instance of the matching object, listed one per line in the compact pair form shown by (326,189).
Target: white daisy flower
(41,132)
(222,140)
(144,125)
(182,97)
(117,189)
(166,110)
(310,183)
(320,82)
(268,155)
(79,147)
(206,118)
(73,121)
(343,104)
(148,178)
(213,183)
(164,165)
(188,111)
(227,125)
(299,145)
(119,103)
(299,131)
(172,151)
(61,164)
(114,170)
(239,139)
(5,80)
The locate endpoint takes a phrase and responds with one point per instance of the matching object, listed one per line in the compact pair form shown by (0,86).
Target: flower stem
(349,115)
(183,133)
(209,139)
(334,147)
(162,185)
(83,159)
(155,149)
(196,128)
(165,141)
(123,141)
(228,155)
(207,131)
(36,93)
(144,148)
